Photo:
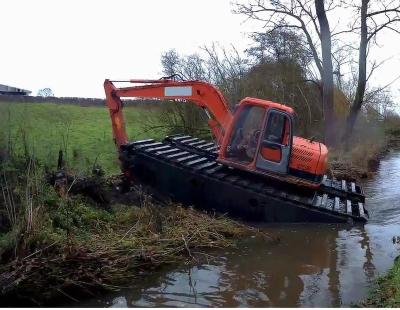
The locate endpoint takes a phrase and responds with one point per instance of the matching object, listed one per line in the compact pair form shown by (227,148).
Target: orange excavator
(254,146)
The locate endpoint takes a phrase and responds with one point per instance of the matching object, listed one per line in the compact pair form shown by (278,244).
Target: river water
(311,266)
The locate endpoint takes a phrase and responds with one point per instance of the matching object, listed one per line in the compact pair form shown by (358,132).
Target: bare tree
(191,67)
(309,17)
(223,67)
(226,68)
(384,15)
(45,92)
(281,45)
(178,116)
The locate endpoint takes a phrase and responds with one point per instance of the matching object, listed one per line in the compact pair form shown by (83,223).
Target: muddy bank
(362,162)
(89,237)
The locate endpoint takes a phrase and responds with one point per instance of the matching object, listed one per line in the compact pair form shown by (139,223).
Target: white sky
(71,46)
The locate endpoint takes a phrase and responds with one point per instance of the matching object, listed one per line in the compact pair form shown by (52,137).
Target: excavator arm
(200,93)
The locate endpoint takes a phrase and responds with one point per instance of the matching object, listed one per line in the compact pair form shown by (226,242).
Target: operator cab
(261,137)
(261,140)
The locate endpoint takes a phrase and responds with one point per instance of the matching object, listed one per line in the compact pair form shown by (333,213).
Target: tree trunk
(362,76)
(327,75)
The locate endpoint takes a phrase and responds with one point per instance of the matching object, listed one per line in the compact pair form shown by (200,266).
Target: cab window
(276,136)
(277,130)
(246,134)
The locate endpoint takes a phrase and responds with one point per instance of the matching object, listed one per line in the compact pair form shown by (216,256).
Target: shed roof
(5,89)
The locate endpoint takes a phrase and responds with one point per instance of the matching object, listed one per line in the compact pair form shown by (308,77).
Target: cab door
(276,142)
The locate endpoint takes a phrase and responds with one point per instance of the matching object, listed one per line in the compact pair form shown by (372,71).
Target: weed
(386,292)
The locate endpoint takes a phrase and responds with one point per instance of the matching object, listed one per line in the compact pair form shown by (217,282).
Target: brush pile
(78,246)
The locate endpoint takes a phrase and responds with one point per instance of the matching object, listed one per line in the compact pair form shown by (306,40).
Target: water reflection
(312,265)
(285,268)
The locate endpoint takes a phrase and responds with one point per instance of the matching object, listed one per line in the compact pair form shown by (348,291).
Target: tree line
(297,59)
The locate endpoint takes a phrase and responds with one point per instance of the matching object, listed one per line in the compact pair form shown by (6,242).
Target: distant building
(9,90)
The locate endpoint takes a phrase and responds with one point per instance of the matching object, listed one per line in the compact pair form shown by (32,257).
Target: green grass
(387,291)
(84,132)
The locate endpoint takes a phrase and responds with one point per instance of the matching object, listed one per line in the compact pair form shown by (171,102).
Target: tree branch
(396,10)
(383,26)
(281,11)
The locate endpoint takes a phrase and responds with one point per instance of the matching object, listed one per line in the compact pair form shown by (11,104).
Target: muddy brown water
(312,265)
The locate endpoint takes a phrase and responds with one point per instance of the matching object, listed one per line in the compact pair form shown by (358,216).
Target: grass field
(83,133)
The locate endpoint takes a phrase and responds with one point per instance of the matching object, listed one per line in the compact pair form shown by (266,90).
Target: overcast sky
(71,46)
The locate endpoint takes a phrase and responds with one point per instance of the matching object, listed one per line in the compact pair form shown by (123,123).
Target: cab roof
(266,104)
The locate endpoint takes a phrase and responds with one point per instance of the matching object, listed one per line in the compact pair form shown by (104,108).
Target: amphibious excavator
(255,167)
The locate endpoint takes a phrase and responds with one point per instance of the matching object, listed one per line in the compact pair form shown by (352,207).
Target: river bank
(83,236)
(386,293)
(362,161)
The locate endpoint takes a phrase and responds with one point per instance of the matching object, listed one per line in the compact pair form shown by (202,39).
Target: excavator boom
(201,93)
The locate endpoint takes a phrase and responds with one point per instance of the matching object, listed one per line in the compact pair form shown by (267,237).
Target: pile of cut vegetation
(57,244)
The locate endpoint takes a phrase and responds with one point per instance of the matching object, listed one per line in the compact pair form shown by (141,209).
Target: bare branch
(277,16)
(396,10)
(382,88)
(383,26)
(376,65)
(313,18)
